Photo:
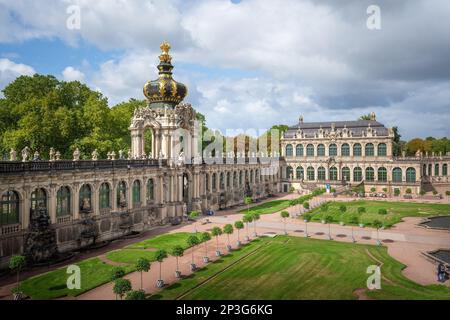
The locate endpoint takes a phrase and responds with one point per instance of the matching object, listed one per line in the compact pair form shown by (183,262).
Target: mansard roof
(357,128)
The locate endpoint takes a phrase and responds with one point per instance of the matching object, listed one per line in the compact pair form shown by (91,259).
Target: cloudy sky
(248,63)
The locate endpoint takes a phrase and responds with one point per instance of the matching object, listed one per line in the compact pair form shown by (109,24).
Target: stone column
(25,205)
(95,203)
(114,195)
(76,201)
(52,203)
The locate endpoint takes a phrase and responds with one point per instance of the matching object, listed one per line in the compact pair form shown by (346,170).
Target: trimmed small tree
(353,220)
(248,201)
(194,216)
(239,225)
(228,229)
(177,251)
(117,273)
(306,205)
(160,255)
(382,211)
(121,287)
(247,219)
(17,263)
(216,232)
(142,265)
(193,241)
(284,215)
(256,217)
(205,237)
(136,295)
(328,219)
(306,218)
(377,224)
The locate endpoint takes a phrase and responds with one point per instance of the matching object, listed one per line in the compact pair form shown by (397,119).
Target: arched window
(222,181)
(122,194)
(345,150)
(63,202)
(397,175)
(321,174)
(382,150)
(214,181)
(207,182)
(136,193)
(299,173)
(357,174)
(235,181)
(289,172)
(310,150)
(382,174)
(345,174)
(436,169)
(430,168)
(9,208)
(240,178)
(369,150)
(104,196)
(410,175)
(370,174)
(289,151)
(320,150)
(85,198)
(310,173)
(357,150)
(39,199)
(424,170)
(332,150)
(444,169)
(333,174)
(228,180)
(299,150)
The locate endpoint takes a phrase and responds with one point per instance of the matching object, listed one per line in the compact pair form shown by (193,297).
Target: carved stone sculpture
(95,155)
(25,154)
(13,155)
(76,155)
(52,154)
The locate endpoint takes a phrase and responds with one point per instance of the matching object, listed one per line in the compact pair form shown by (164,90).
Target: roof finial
(373,117)
(165,56)
(300,119)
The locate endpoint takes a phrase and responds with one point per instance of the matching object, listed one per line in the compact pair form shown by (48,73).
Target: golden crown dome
(164,90)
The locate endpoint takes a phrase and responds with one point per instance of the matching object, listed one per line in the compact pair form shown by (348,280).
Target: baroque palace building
(57,206)
(343,154)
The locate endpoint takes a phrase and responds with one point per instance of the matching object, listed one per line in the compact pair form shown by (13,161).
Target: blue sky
(250,63)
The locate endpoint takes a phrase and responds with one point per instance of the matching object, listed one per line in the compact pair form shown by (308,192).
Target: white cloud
(9,70)
(72,74)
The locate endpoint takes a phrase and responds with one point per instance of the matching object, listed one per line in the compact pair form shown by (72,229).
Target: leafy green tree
(160,255)
(328,220)
(228,229)
(136,295)
(216,232)
(17,263)
(377,224)
(239,225)
(177,251)
(142,265)
(248,201)
(205,237)
(121,287)
(248,218)
(306,205)
(255,217)
(117,273)
(192,241)
(284,215)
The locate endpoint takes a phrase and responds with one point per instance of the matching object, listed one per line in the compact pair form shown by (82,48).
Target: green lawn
(395,211)
(94,272)
(299,268)
(268,207)
(133,252)
(52,284)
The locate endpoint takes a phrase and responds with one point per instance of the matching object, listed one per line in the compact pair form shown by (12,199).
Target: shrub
(408,191)
(307,216)
(291,189)
(422,192)
(342,208)
(121,287)
(117,273)
(135,295)
(396,192)
(332,190)
(361,209)
(354,219)
(435,192)
(447,192)
(306,205)
(382,211)
(372,189)
(385,189)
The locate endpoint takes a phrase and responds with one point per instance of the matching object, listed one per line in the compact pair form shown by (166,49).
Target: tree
(160,255)
(377,224)
(247,219)
(228,229)
(192,241)
(397,144)
(354,220)
(194,215)
(306,218)
(142,265)
(328,219)
(255,217)
(17,263)
(117,273)
(248,201)
(177,252)
(136,295)
(216,232)
(205,237)
(366,117)
(121,287)
(306,205)
(239,225)
(284,215)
